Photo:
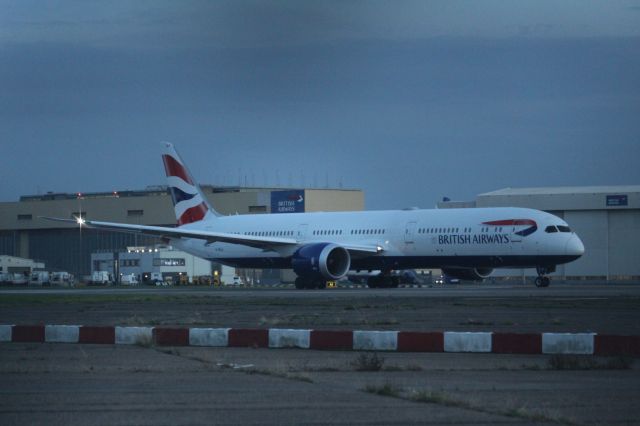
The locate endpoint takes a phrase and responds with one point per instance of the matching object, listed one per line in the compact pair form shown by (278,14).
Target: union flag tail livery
(189,204)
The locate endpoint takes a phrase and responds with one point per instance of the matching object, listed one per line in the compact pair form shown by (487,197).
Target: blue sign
(617,200)
(287,201)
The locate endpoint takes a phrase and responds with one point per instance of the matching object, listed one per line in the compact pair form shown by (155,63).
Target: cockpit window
(563,228)
(550,229)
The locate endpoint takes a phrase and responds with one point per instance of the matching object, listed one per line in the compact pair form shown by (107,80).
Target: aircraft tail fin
(189,203)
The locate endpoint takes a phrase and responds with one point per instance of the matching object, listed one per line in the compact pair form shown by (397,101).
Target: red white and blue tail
(189,203)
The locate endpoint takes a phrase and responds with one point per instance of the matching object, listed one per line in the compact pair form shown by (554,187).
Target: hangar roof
(565,190)
(564,198)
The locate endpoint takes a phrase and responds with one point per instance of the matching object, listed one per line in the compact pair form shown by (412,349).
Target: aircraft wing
(180,232)
(211,237)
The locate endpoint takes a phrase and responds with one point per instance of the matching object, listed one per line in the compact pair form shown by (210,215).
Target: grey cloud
(359,91)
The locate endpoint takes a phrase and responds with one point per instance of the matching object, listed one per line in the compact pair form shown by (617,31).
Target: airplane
(324,246)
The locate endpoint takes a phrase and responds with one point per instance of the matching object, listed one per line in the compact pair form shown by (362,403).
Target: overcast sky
(408,100)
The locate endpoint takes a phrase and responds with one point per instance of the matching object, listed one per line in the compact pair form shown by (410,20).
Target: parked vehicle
(129,279)
(40,278)
(446,279)
(62,278)
(19,279)
(101,277)
(408,276)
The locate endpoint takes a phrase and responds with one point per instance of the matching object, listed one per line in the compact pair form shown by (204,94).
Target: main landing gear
(384,280)
(542,280)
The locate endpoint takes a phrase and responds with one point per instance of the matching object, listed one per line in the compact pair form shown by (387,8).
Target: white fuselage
(407,238)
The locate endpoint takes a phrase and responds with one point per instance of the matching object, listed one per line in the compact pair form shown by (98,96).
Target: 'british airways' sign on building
(287,201)
(617,200)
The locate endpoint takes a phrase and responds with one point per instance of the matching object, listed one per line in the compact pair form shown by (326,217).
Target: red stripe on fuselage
(193,214)
(511,222)
(173,168)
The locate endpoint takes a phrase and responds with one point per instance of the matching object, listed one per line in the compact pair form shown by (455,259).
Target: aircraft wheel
(545,281)
(538,281)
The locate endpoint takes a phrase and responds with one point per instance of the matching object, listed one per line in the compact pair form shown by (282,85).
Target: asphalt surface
(146,385)
(56,384)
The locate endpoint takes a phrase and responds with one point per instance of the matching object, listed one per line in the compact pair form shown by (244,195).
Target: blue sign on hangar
(291,201)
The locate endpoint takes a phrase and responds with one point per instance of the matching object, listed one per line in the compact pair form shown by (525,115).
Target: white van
(40,278)
(101,277)
(129,279)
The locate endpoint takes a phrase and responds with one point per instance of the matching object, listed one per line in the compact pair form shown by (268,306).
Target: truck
(129,279)
(101,277)
(40,278)
(156,278)
(62,278)
(19,279)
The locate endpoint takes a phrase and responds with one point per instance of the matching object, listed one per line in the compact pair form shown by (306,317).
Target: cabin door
(409,233)
(302,231)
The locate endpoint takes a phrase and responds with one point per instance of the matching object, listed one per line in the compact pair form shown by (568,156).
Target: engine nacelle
(326,260)
(471,274)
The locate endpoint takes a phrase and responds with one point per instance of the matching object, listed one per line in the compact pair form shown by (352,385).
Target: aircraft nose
(574,246)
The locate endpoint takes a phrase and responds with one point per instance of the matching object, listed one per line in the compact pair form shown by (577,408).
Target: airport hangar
(607,219)
(63,247)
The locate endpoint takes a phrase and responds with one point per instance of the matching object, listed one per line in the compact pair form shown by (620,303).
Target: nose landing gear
(541,280)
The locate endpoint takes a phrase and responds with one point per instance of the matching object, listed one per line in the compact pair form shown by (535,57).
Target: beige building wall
(143,210)
(157,209)
(317,200)
(24,233)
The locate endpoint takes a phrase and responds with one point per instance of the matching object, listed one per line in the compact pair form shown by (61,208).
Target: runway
(601,308)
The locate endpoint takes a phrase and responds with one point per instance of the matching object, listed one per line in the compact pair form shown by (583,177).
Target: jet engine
(327,260)
(471,274)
